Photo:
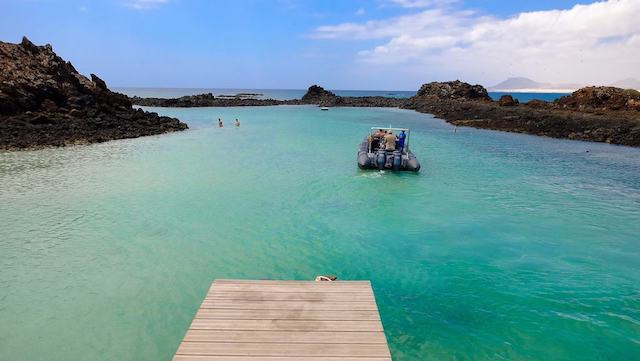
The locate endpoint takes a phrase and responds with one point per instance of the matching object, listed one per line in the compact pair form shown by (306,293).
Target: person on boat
(237,122)
(390,141)
(401,139)
(220,124)
(380,133)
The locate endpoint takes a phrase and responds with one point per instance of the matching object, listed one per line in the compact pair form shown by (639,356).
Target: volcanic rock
(44,101)
(601,98)
(507,101)
(316,93)
(453,90)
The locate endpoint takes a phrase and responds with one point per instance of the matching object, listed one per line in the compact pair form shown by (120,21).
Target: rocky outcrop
(601,98)
(562,119)
(507,101)
(453,90)
(316,93)
(469,105)
(203,100)
(44,101)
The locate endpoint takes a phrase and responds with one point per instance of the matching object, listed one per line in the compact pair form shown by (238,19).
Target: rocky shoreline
(45,102)
(599,114)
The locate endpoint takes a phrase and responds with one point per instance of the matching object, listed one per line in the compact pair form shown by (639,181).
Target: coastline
(45,102)
(579,116)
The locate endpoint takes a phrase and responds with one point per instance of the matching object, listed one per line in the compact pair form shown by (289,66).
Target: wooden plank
(273,358)
(285,321)
(292,296)
(285,336)
(288,305)
(285,325)
(274,349)
(288,314)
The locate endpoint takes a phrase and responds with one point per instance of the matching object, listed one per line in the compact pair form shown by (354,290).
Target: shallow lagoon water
(505,246)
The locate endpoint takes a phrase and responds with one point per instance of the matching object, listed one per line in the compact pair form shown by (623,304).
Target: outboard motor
(381,159)
(389,163)
(397,160)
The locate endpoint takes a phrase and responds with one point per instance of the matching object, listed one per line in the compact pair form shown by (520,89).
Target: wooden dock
(242,320)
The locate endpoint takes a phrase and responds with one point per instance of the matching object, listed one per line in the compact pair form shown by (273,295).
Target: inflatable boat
(387,149)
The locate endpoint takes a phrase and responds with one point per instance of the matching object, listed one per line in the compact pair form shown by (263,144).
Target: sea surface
(504,246)
(284,94)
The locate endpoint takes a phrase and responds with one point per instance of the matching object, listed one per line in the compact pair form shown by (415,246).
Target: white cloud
(599,42)
(145,4)
(360,12)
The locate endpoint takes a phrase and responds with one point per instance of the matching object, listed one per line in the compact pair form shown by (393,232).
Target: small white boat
(324,108)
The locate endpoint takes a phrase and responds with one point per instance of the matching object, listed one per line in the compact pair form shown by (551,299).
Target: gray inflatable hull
(386,160)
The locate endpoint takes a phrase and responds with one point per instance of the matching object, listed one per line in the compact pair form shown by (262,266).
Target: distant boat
(324,108)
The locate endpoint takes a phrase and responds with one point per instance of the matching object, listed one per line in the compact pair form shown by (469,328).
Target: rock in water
(44,101)
(316,93)
(453,90)
(507,101)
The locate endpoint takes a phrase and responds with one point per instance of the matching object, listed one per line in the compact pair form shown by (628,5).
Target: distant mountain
(518,83)
(522,84)
(629,83)
(528,85)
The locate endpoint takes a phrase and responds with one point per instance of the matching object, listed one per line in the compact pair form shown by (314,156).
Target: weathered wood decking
(242,320)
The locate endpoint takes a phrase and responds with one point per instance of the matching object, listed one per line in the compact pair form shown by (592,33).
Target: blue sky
(383,44)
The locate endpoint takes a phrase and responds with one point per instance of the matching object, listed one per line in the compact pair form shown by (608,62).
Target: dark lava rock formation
(44,101)
(601,98)
(453,90)
(580,116)
(593,114)
(316,93)
(507,101)
(203,100)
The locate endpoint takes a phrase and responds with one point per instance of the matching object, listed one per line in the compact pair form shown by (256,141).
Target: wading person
(237,123)
(220,124)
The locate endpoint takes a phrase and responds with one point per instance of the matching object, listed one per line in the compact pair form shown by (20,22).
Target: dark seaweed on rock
(44,101)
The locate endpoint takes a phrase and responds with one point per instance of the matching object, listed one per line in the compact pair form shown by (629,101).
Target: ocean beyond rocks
(44,102)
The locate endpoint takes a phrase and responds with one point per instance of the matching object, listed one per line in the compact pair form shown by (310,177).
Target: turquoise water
(284,94)
(525,97)
(505,246)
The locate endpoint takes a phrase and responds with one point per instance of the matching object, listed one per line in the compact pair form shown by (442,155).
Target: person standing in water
(237,123)
(220,124)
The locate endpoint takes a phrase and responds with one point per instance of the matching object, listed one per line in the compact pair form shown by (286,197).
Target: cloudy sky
(377,44)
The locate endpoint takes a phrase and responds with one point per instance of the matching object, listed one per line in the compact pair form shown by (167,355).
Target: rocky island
(600,114)
(44,102)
